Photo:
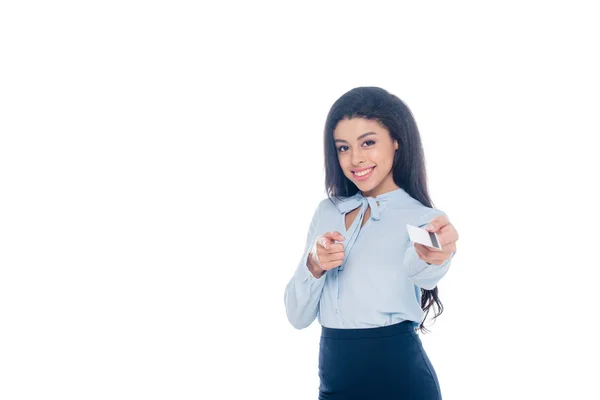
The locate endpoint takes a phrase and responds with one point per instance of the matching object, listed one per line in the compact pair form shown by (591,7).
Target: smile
(364,174)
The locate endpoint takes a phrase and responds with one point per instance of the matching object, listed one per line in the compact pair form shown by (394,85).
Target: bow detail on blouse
(363,202)
(397,196)
(352,233)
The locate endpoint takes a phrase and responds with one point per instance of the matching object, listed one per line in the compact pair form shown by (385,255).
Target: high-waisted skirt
(375,364)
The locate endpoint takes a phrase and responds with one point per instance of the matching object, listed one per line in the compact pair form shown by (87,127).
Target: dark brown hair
(408,169)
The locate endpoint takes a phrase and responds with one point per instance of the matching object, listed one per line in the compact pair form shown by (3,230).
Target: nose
(357,157)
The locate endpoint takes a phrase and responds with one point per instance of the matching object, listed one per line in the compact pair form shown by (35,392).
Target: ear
(396,144)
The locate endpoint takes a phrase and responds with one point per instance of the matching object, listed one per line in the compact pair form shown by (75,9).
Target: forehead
(352,128)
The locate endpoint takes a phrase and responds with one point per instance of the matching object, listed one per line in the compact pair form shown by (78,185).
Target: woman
(360,274)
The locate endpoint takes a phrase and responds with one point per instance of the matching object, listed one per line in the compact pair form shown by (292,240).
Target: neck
(381,189)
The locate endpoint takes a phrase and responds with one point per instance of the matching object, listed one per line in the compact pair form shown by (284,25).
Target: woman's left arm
(425,265)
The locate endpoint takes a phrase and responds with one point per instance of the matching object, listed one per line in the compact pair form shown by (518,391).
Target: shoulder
(416,213)
(328,206)
(430,213)
(423,215)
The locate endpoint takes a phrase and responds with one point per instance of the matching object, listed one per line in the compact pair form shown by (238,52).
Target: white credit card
(423,236)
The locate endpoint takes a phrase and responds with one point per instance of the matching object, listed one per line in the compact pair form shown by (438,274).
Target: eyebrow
(360,137)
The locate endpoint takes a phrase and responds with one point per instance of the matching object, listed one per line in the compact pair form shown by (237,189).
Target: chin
(366,187)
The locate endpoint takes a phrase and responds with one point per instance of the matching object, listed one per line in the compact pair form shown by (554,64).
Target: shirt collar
(376,203)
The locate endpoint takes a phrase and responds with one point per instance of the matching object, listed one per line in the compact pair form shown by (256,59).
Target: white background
(160,161)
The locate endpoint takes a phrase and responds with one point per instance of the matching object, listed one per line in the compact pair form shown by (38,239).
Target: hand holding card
(424,237)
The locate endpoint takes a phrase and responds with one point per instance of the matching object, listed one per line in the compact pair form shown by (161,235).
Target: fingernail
(429,227)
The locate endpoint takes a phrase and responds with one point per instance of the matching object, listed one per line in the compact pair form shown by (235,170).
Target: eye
(340,148)
(369,141)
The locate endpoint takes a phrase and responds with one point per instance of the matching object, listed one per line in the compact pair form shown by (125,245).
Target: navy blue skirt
(376,364)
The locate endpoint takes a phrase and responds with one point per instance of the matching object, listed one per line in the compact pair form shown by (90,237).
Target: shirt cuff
(304,275)
(416,266)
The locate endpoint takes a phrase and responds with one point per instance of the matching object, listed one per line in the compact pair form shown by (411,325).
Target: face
(366,153)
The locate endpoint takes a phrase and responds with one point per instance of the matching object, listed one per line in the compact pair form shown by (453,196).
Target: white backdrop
(160,161)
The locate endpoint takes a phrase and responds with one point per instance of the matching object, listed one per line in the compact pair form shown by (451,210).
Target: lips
(362,175)
(361,169)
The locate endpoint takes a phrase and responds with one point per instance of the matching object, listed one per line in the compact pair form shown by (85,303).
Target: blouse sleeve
(303,291)
(424,275)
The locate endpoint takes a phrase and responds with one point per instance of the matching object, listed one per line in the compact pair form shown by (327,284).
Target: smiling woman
(361,153)
(359,274)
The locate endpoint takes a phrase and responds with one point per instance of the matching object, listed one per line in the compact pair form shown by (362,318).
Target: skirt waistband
(363,333)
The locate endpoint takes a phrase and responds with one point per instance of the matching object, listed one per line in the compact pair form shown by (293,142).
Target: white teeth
(363,173)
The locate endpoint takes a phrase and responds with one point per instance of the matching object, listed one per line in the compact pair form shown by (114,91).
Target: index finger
(335,235)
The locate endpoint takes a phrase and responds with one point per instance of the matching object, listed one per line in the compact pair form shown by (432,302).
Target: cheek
(385,158)
(343,161)
(379,158)
(346,165)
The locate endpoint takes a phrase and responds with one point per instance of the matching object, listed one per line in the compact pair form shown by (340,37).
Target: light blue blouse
(379,280)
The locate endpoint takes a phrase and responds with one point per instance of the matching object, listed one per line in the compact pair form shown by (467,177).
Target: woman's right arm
(303,292)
